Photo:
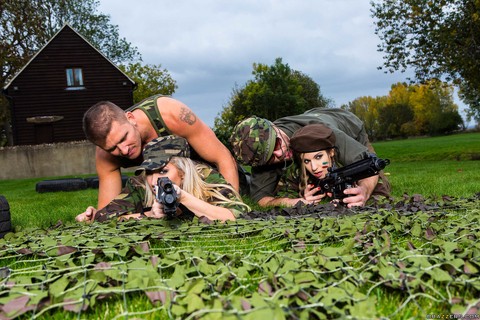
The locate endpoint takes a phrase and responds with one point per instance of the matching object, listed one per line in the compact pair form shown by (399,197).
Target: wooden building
(49,96)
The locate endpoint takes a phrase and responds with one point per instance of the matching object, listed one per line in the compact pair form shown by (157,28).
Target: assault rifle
(167,195)
(339,179)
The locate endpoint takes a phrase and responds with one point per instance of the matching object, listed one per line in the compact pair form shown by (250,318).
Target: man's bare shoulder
(106,161)
(178,117)
(165,103)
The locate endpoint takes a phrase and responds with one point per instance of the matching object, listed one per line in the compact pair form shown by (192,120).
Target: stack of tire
(5,218)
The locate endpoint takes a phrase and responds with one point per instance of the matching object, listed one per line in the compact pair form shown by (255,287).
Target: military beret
(311,138)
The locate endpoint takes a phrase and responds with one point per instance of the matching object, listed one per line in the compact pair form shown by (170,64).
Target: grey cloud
(209,46)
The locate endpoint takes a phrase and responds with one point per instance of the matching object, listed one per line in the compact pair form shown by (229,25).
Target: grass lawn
(389,262)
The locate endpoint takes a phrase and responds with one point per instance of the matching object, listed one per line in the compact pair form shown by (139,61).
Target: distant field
(447,165)
(459,147)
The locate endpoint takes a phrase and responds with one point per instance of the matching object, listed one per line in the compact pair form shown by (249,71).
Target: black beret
(311,138)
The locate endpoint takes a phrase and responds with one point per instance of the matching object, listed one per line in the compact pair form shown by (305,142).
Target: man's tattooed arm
(187,116)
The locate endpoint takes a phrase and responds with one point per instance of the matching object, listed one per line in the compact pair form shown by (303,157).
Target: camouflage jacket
(281,180)
(132,198)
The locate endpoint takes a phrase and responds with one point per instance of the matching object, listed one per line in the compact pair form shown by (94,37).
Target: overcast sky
(209,46)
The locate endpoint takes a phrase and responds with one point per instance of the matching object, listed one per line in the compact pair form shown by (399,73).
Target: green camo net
(290,267)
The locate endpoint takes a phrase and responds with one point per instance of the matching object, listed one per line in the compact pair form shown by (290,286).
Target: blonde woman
(200,190)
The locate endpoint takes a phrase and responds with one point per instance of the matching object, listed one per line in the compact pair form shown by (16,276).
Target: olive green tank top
(150,108)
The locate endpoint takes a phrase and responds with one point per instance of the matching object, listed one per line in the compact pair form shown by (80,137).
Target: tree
(310,91)
(437,38)
(276,91)
(434,109)
(224,123)
(396,118)
(151,79)
(367,109)
(27,25)
(409,110)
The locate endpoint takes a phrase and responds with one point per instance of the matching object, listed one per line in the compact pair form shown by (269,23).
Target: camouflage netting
(310,262)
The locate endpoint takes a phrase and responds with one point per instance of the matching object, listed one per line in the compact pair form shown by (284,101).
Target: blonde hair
(304,177)
(194,183)
(304,174)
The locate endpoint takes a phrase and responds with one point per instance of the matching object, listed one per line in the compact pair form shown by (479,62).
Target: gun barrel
(341,178)
(167,195)
(361,169)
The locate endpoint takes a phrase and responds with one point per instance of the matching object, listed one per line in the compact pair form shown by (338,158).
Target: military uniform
(157,154)
(150,108)
(351,141)
(132,198)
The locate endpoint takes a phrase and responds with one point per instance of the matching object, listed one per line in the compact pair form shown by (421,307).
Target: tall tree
(409,110)
(27,25)
(396,118)
(276,91)
(434,109)
(437,38)
(367,109)
(150,79)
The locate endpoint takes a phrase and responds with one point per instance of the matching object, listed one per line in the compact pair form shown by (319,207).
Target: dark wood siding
(41,90)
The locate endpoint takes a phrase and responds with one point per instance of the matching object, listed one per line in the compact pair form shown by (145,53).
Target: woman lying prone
(198,188)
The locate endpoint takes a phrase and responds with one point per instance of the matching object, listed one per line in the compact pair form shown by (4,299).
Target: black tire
(92,182)
(4,207)
(72,184)
(5,226)
(5,218)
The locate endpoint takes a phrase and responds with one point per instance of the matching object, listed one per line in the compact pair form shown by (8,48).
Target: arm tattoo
(187,116)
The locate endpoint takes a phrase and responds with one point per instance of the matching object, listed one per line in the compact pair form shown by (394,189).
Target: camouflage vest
(150,108)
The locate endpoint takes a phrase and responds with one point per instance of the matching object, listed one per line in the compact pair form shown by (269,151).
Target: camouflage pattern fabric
(216,178)
(280,179)
(253,141)
(288,185)
(131,199)
(150,108)
(158,152)
(351,140)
